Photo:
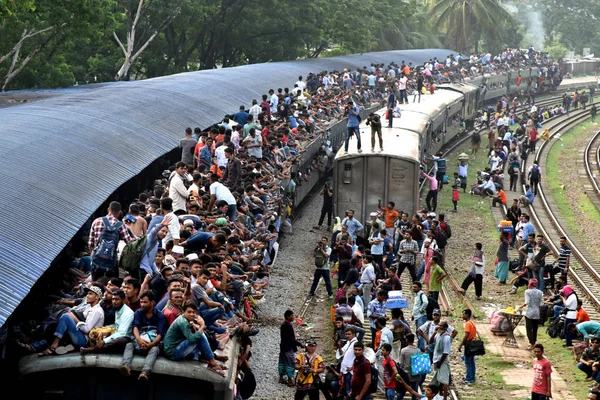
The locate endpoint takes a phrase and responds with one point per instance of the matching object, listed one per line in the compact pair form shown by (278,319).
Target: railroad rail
(591,160)
(550,223)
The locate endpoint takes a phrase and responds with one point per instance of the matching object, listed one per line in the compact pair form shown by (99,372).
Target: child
(455,197)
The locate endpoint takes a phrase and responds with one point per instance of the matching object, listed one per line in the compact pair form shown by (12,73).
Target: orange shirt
(377,339)
(502,196)
(582,315)
(406,70)
(471,330)
(390,217)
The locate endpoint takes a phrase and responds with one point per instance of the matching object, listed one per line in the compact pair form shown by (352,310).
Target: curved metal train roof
(62,157)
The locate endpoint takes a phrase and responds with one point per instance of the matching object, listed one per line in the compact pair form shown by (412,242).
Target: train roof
(397,142)
(415,116)
(62,157)
(463,87)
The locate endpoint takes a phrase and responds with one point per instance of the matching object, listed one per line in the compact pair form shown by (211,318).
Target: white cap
(177,250)
(192,256)
(188,222)
(373,214)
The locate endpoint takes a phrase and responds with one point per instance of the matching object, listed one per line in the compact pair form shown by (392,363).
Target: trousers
(134,347)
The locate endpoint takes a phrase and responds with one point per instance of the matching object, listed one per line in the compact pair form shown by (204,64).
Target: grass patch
(561,155)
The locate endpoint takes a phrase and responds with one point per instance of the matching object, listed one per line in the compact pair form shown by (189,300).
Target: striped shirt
(564,257)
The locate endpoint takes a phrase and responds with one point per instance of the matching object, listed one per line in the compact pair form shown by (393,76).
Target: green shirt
(179,331)
(434,285)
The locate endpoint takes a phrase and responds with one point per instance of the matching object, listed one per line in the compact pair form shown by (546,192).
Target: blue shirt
(198,241)
(372,80)
(527,229)
(353,226)
(377,309)
(206,155)
(147,262)
(241,117)
(530,196)
(353,119)
(157,321)
(293,122)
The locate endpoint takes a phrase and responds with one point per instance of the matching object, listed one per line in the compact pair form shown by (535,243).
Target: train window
(348,173)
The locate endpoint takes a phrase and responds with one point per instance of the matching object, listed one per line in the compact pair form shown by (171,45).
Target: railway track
(591,159)
(550,223)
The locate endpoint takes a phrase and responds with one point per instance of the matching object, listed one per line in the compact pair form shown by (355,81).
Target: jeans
(390,394)
(418,322)
(186,349)
(211,315)
(352,129)
(471,368)
(135,347)
(232,212)
(366,288)
(326,277)
(66,324)
(539,275)
(567,333)
(347,380)
(585,368)
(402,390)
(557,310)
(421,271)
(537,396)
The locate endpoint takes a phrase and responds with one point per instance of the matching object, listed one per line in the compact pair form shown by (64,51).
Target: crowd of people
(176,272)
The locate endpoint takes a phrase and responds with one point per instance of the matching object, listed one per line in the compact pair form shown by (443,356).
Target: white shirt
(220,153)
(274,102)
(348,354)
(254,111)
(174,228)
(571,305)
(358,312)
(402,83)
(235,139)
(222,193)
(301,84)
(178,193)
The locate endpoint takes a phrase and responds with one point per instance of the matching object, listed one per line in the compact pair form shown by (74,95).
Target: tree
(468,19)
(150,21)
(34,33)
(556,50)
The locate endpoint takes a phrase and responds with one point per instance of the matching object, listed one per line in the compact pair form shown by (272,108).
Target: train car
(470,102)
(362,179)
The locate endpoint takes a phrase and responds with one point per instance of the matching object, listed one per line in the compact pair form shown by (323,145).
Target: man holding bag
(470,335)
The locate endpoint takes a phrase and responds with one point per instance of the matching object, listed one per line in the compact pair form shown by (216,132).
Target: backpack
(441,163)
(445,226)
(535,173)
(104,256)
(133,252)
(432,304)
(556,328)
(374,379)
(442,238)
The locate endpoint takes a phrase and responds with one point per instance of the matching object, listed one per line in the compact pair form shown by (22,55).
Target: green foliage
(556,50)
(575,22)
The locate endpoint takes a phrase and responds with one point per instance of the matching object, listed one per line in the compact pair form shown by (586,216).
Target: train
(363,179)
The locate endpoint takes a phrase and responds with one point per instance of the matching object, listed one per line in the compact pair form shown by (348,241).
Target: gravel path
(288,288)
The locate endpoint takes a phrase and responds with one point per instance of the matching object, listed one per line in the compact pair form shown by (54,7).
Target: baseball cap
(436,311)
(94,289)
(129,218)
(311,342)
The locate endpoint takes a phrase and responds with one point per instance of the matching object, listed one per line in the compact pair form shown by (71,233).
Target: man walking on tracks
(535,174)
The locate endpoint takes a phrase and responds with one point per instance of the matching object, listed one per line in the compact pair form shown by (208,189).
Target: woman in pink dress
(427,255)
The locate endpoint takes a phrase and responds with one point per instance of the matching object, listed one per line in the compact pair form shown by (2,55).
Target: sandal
(215,368)
(50,350)
(25,346)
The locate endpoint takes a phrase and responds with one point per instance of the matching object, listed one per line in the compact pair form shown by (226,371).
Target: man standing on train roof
(352,112)
(391,104)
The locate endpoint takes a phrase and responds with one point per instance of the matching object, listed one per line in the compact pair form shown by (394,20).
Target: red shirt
(541,369)
(389,380)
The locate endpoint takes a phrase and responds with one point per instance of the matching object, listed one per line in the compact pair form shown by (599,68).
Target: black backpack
(432,304)
(442,238)
(556,328)
(374,379)
(535,173)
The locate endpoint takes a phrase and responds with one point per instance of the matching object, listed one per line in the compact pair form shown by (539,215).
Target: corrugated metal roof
(62,157)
